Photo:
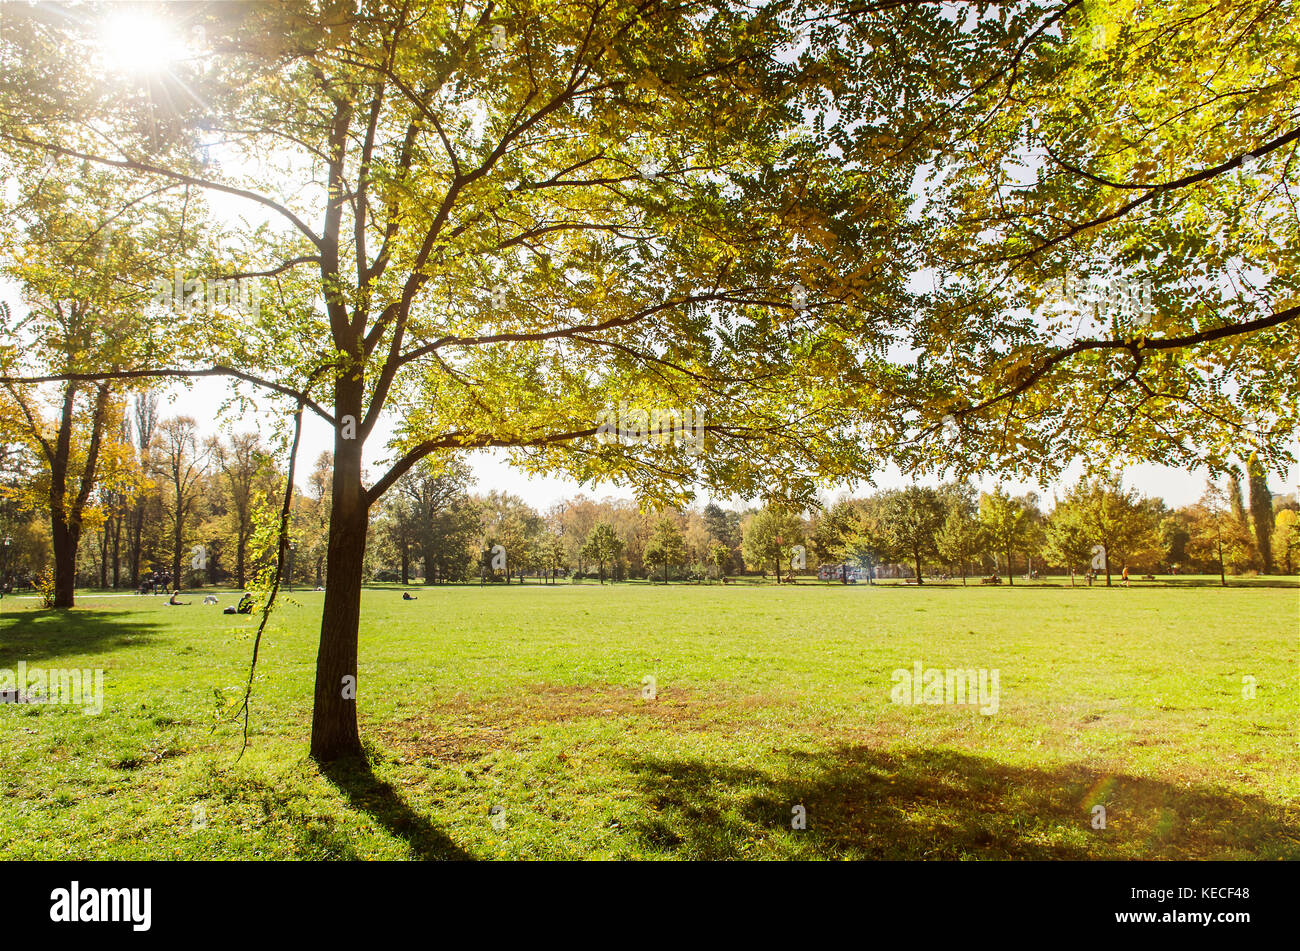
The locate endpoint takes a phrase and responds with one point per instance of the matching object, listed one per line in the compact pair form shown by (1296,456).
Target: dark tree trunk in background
(117,552)
(137,543)
(103,557)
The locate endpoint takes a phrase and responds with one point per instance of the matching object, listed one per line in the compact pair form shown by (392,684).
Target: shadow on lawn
(870,804)
(381,800)
(46,634)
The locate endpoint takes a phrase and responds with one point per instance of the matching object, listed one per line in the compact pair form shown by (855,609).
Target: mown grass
(768,698)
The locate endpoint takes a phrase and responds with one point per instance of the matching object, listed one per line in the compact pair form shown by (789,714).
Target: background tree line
(167,500)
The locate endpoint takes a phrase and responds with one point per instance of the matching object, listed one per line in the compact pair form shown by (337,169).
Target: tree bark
(65,519)
(64,538)
(334,732)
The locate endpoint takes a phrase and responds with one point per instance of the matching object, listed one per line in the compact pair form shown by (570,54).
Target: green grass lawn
(768,698)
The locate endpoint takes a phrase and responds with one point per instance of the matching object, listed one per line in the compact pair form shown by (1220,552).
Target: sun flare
(137,43)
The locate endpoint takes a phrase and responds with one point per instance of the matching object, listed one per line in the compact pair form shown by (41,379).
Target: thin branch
(219,370)
(281,547)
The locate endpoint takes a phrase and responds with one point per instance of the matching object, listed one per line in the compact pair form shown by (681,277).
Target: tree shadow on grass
(381,800)
(43,635)
(864,803)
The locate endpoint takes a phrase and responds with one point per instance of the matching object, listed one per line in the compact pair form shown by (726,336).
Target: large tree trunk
(916,556)
(334,733)
(64,531)
(1011,578)
(64,539)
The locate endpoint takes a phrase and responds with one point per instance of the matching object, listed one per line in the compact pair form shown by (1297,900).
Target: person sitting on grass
(245,606)
(406,596)
(176,598)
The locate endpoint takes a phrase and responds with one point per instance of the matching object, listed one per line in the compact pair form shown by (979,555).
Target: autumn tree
(957,538)
(602,545)
(436,491)
(181,460)
(666,546)
(242,463)
(1217,534)
(1286,541)
(1067,539)
(720,557)
(1115,518)
(769,539)
(1003,520)
(144,419)
(913,518)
